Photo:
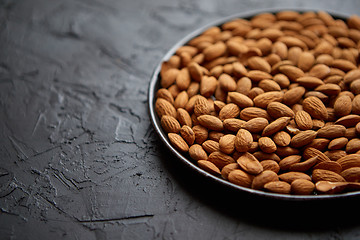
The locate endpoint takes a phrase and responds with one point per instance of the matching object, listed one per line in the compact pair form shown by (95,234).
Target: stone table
(79,156)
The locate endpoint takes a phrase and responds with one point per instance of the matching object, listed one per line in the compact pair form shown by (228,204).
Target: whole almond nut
(169,77)
(351,76)
(306,61)
(187,134)
(326,175)
(233,124)
(315,107)
(181,100)
(278,187)
(227,143)
(241,100)
(244,85)
(351,174)
(183,117)
(196,152)
(243,140)
(210,146)
(178,142)
(302,187)
(228,168)
(257,75)
(209,167)
(170,124)
(303,120)
(356,105)
(201,134)
(330,165)
(220,159)
(270,165)
(310,82)
(249,163)
(230,110)
(303,166)
(211,122)
(292,72)
(227,83)
(195,71)
(355,86)
(293,95)
(254,112)
(240,178)
(303,138)
(353,145)
(277,110)
(258,63)
(267,145)
(311,152)
(183,79)
(255,125)
(282,139)
(349,161)
(208,86)
(319,71)
(264,99)
(335,155)
(288,161)
(331,131)
(269,85)
(289,177)
(265,177)
(275,126)
(349,120)
(214,51)
(165,94)
(329,89)
(343,64)
(338,143)
(163,107)
(201,106)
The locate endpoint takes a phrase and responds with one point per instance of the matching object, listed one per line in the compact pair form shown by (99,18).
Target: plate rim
(154,84)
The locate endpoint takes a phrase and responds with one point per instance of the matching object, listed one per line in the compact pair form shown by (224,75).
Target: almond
(278,187)
(315,107)
(343,64)
(183,79)
(209,167)
(220,159)
(163,107)
(210,146)
(292,72)
(230,110)
(233,124)
(310,82)
(196,152)
(349,161)
(303,120)
(349,120)
(270,165)
(282,139)
(329,89)
(169,77)
(201,106)
(165,94)
(241,100)
(356,105)
(228,168)
(289,177)
(303,166)
(195,71)
(277,110)
(351,76)
(211,122)
(214,51)
(293,95)
(240,178)
(253,112)
(342,106)
(313,152)
(275,126)
(258,63)
(267,145)
(243,140)
(351,174)
(257,75)
(302,187)
(227,143)
(227,83)
(255,125)
(269,85)
(319,71)
(187,134)
(306,61)
(326,175)
(183,117)
(329,165)
(181,100)
(201,134)
(249,163)
(244,85)
(338,143)
(331,131)
(265,177)
(353,145)
(288,161)
(264,99)
(170,124)
(208,86)
(178,142)
(303,138)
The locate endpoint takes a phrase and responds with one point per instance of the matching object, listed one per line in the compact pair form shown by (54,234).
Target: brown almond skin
(313,152)
(230,110)
(351,174)
(342,106)
(315,107)
(227,143)
(196,152)
(163,107)
(249,163)
(331,131)
(303,120)
(289,177)
(255,125)
(187,134)
(270,165)
(240,178)
(330,165)
(288,161)
(170,124)
(220,159)
(211,122)
(282,139)
(243,140)
(303,138)
(326,175)
(278,187)
(267,145)
(349,161)
(302,187)
(209,167)
(265,177)
(275,126)
(264,99)
(240,99)
(178,142)
(228,168)
(277,110)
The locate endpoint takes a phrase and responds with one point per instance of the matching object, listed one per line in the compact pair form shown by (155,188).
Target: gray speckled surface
(79,157)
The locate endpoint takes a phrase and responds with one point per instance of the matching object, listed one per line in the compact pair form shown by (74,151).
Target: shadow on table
(272,213)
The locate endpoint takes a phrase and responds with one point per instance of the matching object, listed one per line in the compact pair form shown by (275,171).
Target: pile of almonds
(270,103)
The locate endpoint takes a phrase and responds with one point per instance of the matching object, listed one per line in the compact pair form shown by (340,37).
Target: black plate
(155,85)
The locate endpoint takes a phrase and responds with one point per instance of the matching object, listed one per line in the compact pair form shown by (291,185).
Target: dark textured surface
(79,157)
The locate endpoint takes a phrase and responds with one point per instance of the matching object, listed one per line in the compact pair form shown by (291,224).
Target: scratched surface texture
(79,158)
